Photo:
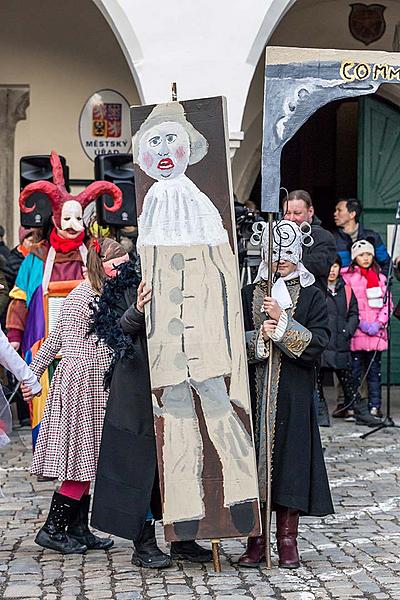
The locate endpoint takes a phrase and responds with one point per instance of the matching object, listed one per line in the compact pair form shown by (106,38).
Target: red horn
(46,187)
(58,175)
(97,188)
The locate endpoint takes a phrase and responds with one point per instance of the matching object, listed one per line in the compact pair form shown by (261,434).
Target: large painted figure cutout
(194,323)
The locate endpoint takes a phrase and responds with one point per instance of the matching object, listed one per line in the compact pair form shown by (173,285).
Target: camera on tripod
(249,255)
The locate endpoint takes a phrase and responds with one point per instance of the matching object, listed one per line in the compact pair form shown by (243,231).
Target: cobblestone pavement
(352,554)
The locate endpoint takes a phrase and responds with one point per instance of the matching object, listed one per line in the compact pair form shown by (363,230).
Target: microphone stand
(388,421)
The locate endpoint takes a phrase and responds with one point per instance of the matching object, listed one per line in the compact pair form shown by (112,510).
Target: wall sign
(104,124)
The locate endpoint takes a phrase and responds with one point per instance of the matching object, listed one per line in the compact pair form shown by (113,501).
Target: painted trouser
(183,449)
(371,361)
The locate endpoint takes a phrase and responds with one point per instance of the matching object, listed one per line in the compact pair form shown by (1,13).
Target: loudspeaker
(36,168)
(117,168)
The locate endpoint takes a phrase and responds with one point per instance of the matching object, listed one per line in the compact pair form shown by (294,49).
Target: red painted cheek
(180,152)
(148,160)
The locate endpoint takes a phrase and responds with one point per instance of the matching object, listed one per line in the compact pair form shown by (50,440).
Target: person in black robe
(127,497)
(295,318)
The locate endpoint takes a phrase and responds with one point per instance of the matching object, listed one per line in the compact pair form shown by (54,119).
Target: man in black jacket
(319,257)
(349,230)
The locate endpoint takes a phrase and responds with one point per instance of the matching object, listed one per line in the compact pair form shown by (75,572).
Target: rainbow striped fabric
(28,287)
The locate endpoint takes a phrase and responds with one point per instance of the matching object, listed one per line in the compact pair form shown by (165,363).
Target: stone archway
(14,100)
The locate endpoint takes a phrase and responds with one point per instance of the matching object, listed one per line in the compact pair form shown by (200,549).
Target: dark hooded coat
(343,321)
(299,478)
(127,481)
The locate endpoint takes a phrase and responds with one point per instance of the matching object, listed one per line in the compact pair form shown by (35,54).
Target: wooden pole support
(216,556)
(268,431)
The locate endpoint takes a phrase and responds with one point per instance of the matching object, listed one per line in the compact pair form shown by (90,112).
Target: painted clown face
(71,220)
(164,151)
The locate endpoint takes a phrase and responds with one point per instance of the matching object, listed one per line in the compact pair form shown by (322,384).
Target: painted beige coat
(197,332)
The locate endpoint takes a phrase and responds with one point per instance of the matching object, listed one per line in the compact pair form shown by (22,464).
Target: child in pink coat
(370,339)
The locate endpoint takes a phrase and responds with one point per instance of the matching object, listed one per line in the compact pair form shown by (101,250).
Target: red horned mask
(58,195)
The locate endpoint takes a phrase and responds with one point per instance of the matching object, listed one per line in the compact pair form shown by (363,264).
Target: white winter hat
(361,246)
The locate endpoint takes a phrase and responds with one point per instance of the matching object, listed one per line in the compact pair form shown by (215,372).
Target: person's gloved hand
(364,326)
(374,328)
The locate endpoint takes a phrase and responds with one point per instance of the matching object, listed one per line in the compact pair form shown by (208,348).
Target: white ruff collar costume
(184,215)
(175,212)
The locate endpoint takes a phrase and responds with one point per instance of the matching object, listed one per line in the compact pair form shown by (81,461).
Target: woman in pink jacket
(369,286)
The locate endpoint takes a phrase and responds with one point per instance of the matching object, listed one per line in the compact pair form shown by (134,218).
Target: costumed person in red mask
(51,270)
(69,438)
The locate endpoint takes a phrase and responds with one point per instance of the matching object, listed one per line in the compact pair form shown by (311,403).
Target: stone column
(235,138)
(14,100)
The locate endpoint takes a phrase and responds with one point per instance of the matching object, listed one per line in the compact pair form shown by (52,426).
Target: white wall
(64,51)
(209,48)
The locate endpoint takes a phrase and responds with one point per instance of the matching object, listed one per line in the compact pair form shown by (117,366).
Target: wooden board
(194,322)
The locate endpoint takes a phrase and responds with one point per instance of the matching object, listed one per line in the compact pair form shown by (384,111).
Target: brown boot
(255,552)
(287,522)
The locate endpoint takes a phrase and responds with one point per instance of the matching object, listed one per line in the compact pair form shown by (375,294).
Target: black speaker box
(117,168)
(36,168)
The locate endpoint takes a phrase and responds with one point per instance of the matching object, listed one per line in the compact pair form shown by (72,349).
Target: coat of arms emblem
(107,119)
(366,22)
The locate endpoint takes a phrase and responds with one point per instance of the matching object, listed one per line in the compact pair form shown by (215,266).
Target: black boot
(78,528)
(190,550)
(147,553)
(339,412)
(53,535)
(362,414)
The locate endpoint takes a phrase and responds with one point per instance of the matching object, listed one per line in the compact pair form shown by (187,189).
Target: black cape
(299,478)
(127,481)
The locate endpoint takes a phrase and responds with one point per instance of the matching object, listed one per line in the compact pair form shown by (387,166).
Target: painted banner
(194,322)
(298,81)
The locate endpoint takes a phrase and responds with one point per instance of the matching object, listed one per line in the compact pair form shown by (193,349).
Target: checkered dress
(70,432)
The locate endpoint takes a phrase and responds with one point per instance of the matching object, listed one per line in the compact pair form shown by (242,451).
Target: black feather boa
(105,320)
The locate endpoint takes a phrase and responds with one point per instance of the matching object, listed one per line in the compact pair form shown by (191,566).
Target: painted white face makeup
(164,151)
(71,216)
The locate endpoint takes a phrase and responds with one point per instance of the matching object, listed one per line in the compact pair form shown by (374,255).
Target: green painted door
(379,185)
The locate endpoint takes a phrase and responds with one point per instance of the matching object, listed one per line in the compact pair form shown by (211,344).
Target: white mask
(288,241)
(71,216)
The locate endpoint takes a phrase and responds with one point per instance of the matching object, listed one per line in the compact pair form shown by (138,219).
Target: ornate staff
(260,229)
(268,432)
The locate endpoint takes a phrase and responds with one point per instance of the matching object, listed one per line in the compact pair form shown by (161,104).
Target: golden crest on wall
(366,22)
